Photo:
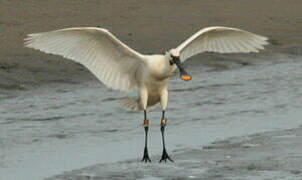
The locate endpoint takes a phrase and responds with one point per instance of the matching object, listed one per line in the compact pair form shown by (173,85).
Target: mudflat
(269,156)
(146,26)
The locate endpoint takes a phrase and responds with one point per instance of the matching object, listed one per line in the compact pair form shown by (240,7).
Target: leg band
(146,123)
(163,121)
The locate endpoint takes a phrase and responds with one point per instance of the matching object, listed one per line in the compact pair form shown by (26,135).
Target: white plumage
(110,60)
(120,67)
(221,40)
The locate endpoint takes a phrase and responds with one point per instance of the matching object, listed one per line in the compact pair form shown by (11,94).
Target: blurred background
(146,26)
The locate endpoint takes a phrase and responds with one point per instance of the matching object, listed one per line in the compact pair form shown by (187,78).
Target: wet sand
(271,156)
(62,127)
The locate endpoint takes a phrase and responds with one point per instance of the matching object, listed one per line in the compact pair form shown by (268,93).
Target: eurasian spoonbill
(122,68)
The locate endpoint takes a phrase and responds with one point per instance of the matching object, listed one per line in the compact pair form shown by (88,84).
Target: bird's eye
(173,57)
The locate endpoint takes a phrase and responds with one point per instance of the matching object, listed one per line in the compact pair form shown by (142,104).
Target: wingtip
(27,40)
(30,38)
(264,38)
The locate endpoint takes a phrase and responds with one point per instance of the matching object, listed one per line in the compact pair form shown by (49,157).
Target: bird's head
(175,59)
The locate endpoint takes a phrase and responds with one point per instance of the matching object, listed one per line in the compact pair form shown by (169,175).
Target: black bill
(183,73)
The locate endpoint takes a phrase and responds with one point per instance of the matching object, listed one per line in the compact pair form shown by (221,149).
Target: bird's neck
(167,67)
(159,66)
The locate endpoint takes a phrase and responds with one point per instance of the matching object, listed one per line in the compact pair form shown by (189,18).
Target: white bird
(122,68)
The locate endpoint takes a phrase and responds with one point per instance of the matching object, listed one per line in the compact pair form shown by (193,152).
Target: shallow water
(271,155)
(61,127)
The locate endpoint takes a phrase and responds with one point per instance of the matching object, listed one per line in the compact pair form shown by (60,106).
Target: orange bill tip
(186,77)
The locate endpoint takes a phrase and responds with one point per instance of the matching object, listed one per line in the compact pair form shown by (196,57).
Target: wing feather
(110,60)
(221,40)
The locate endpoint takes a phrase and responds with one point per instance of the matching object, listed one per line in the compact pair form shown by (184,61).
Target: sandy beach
(244,122)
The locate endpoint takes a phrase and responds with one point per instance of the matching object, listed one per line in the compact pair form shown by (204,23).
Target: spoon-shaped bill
(183,73)
(186,77)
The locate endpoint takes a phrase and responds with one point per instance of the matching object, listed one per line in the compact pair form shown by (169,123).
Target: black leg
(163,123)
(146,126)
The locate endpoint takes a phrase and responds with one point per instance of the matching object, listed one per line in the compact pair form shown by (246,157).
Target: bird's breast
(161,72)
(155,87)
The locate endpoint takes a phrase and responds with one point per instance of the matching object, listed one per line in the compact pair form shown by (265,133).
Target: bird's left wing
(110,60)
(221,40)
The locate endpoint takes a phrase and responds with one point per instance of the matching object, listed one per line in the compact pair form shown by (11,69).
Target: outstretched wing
(110,60)
(221,40)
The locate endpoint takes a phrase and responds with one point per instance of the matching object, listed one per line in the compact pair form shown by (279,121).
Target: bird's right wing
(110,60)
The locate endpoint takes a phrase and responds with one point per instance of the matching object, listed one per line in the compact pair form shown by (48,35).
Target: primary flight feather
(110,60)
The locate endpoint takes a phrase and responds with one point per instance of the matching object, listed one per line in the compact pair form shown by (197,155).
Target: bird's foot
(165,156)
(146,156)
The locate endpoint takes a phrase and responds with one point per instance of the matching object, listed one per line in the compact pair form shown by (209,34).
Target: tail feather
(131,104)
